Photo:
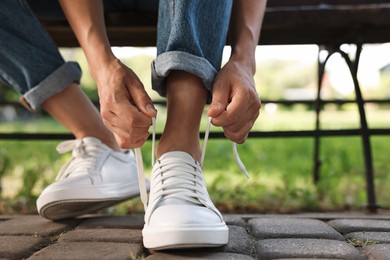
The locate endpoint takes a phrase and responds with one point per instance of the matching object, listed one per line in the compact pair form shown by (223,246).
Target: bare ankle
(107,140)
(192,149)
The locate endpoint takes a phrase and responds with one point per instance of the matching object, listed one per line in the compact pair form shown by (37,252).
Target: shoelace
(188,186)
(200,196)
(79,151)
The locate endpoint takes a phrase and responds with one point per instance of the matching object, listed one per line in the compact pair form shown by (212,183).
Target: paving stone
(132,236)
(377,252)
(345,226)
(239,242)
(89,250)
(370,237)
(326,216)
(119,237)
(308,258)
(5,217)
(135,221)
(234,220)
(279,227)
(189,255)
(35,225)
(19,247)
(306,248)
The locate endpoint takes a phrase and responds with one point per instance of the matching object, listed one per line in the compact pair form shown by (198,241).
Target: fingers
(220,100)
(242,107)
(126,119)
(139,95)
(127,143)
(126,108)
(236,127)
(131,129)
(239,132)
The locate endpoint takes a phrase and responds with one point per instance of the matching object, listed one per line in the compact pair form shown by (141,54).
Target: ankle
(192,149)
(112,144)
(107,140)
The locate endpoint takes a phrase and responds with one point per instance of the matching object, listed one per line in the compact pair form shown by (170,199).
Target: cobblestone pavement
(302,236)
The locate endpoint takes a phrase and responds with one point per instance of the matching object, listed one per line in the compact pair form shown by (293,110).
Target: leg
(191,37)
(44,78)
(186,97)
(65,107)
(189,57)
(98,175)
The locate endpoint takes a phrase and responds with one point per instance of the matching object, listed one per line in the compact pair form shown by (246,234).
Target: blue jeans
(191,37)
(29,60)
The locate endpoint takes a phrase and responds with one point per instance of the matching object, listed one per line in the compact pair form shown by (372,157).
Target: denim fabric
(29,60)
(191,37)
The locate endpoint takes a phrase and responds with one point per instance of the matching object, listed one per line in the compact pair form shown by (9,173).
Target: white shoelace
(81,156)
(187,190)
(188,185)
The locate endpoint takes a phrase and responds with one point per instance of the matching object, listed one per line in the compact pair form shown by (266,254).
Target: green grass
(280,168)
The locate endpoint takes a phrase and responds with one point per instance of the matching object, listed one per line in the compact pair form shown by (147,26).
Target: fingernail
(150,108)
(216,107)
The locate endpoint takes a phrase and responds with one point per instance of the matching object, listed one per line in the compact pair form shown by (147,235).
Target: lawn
(280,168)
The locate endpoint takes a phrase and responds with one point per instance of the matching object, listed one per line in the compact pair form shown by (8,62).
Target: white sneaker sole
(68,202)
(159,238)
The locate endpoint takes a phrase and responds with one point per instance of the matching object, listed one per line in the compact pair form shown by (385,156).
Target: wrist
(245,60)
(101,61)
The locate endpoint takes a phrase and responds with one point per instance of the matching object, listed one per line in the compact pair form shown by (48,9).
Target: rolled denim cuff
(69,72)
(178,60)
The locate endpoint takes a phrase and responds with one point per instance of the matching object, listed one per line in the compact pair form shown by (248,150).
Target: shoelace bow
(188,186)
(79,151)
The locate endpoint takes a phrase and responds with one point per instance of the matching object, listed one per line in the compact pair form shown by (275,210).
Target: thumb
(219,101)
(149,110)
(143,102)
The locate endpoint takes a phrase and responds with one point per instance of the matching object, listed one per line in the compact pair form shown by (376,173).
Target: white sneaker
(94,178)
(180,213)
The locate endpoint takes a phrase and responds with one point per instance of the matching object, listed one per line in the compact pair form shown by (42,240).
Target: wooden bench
(326,23)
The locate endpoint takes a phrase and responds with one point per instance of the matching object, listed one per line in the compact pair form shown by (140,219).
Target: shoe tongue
(178,154)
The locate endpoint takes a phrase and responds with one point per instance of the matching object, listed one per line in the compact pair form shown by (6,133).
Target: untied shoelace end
(235,152)
(140,167)
(239,162)
(141,177)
